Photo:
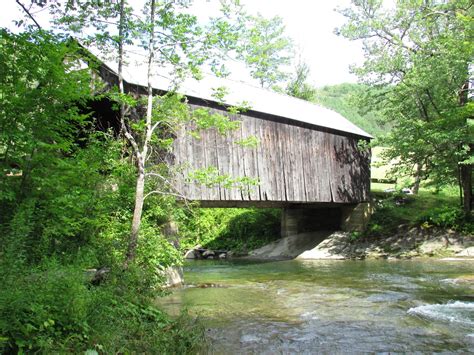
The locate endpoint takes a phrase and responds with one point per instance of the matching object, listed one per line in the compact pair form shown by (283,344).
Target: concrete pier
(355,218)
(305,220)
(349,218)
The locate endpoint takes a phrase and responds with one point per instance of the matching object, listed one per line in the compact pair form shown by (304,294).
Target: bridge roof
(259,100)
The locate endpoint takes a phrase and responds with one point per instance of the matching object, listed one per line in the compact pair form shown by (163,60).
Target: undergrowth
(427,209)
(236,229)
(53,308)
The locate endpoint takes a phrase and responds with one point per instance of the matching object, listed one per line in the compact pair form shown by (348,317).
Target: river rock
(208,254)
(334,247)
(466,252)
(173,276)
(432,246)
(190,254)
(376,253)
(388,296)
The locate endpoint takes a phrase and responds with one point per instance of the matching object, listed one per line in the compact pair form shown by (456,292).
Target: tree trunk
(137,215)
(466,169)
(142,156)
(416,185)
(466,182)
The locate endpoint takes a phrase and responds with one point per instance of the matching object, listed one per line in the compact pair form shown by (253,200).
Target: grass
(380,187)
(408,209)
(429,208)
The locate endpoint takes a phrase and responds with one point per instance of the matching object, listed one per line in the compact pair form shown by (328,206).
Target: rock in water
(466,252)
(174,276)
(208,254)
(190,254)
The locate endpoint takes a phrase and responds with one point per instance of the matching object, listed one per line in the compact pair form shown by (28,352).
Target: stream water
(330,306)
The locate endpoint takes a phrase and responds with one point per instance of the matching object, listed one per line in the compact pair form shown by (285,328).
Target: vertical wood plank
(234,160)
(282,138)
(324,156)
(251,163)
(293,163)
(278,169)
(261,159)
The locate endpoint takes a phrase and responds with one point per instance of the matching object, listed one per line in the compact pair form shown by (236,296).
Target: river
(329,306)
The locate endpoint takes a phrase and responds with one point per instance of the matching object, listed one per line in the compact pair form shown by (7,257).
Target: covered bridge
(307,156)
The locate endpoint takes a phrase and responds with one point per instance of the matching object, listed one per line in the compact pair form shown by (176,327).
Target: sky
(310,24)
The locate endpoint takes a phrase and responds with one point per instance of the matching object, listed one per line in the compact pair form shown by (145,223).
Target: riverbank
(408,242)
(429,224)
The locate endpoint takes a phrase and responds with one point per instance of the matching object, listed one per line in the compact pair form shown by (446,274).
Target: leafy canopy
(417,55)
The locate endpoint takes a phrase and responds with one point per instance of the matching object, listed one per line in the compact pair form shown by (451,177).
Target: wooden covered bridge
(308,159)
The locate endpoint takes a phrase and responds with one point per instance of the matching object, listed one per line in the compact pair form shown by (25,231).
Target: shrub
(55,309)
(43,309)
(445,216)
(249,230)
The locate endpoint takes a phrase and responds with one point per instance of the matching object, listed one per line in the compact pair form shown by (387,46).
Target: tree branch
(29,14)
(154,192)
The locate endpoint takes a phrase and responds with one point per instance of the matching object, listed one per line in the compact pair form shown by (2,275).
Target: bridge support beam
(289,222)
(355,218)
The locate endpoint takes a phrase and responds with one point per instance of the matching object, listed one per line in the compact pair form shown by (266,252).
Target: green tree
(417,53)
(65,199)
(41,91)
(348,100)
(266,50)
(171,39)
(299,86)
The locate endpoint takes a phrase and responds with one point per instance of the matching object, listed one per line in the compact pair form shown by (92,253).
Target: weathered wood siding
(293,164)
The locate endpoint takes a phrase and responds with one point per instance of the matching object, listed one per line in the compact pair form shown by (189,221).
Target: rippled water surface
(330,306)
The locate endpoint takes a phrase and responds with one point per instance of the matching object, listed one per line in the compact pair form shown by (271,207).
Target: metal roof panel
(259,99)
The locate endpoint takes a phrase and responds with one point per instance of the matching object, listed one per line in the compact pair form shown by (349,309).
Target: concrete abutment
(349,218)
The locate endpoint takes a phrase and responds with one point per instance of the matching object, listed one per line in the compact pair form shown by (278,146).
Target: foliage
(47,207)
(417,56)
(54,308)
(435,208)
(66,205)
(346,100)
(39,111)
(444,216)
(266,50)
(298,86)
(43,306)
(239,230)
(211,177)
